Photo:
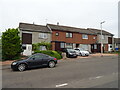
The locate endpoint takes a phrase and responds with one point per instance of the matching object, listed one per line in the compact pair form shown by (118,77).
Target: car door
(45,59)
(35,60)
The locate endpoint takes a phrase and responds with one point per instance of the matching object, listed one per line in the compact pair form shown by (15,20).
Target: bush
(37,45)
(50,53)
(11,44)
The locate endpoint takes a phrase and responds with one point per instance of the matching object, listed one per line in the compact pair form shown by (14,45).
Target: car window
(72,51)
(38,56)
(77,49)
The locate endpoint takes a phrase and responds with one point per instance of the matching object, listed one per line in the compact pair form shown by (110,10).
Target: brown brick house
(71,37)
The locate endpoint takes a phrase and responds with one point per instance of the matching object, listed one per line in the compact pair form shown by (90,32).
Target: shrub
(37,45)
(11,44)
(50,53)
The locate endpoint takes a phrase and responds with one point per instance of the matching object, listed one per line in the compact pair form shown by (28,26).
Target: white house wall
(36,39)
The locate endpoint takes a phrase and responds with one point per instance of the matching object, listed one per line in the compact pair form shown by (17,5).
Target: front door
(57,46)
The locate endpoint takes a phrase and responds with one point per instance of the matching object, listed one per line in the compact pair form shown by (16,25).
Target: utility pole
(101,38)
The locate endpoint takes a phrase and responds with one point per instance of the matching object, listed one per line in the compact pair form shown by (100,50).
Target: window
(69,45)
(43,35)
(85,46)
(84,36)
(69,35)
(24,47)
(43,48)
(38,56)
(95,46)
(62,45)
(57,34)
(103,37)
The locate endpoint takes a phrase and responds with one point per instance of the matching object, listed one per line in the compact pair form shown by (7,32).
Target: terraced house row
(62,37)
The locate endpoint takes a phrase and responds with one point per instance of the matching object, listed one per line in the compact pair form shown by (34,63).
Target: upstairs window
(43,35)
(69,35)
(84,36)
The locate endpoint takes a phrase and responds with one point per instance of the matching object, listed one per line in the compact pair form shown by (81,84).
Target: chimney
(57,23)
(33,23)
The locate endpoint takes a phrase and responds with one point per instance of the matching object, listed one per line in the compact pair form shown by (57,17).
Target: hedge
(50,53)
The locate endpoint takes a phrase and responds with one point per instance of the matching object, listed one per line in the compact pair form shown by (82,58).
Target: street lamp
(101,38)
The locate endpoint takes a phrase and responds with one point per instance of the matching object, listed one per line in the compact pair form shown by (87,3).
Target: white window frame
(69,45)
(95,46)
(69,35)
(62,45)
(84,36)
(43,35)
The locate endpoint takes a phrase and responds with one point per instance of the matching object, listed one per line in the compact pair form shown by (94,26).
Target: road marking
(99,76)
(95,77)
(61,85)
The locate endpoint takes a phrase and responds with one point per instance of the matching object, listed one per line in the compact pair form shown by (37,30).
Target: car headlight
(14,63)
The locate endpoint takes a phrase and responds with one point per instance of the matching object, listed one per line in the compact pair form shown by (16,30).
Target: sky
(75,13)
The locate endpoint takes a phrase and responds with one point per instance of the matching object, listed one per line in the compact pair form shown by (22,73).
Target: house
(31,34)
(116,44)
(107,40)
(71,37)
(62,37)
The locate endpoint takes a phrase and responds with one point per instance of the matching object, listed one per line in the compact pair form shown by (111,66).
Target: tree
(11,44)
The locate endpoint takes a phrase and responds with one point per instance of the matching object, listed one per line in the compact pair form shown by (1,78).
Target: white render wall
(36,39)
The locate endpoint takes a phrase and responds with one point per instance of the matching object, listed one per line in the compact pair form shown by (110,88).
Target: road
(94,72)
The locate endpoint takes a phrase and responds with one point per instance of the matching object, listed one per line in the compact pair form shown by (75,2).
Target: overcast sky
(76,13)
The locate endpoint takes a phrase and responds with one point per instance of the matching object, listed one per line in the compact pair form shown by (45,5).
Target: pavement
(82,72)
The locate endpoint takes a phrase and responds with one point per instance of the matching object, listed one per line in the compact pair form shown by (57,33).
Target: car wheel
(76,57)
(21,67)
(51,64)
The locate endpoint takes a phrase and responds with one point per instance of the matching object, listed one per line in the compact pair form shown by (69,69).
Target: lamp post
(101,38)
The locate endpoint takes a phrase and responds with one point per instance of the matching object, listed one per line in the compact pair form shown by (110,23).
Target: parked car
(35,60)
(82,52)
(71,53)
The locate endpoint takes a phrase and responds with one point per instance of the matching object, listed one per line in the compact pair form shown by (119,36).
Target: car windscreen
(72,51)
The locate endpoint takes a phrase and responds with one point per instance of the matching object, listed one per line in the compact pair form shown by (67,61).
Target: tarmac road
(94,72)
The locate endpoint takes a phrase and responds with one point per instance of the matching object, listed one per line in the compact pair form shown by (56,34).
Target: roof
(117,40)
(69,29)
(79,30)
(33,27)
(98,31)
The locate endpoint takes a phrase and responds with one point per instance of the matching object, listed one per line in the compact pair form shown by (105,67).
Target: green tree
(11,44)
